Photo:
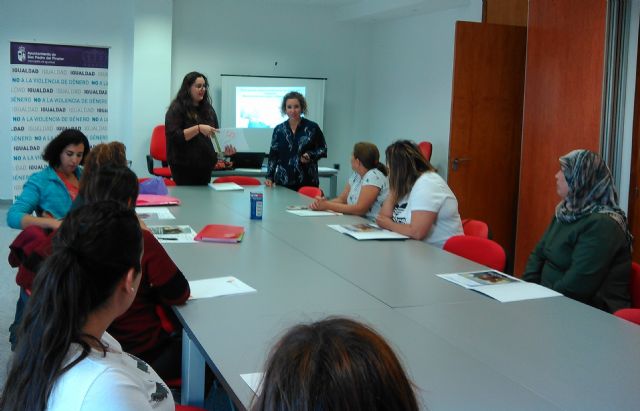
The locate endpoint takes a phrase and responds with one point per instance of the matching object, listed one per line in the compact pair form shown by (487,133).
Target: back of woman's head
(113,154)
(93,250)
(112,183)
(406,163)
(67,137)
(336,364)
(369,156)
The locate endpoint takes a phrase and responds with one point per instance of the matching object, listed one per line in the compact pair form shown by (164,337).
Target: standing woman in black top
(190,124)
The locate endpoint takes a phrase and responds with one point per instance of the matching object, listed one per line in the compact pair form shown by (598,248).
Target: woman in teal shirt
(50,191)
(585,253)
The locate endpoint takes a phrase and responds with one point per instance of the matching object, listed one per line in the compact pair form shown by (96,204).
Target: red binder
(156,200)
(220,233)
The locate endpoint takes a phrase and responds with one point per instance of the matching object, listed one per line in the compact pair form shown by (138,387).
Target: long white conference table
(463,350)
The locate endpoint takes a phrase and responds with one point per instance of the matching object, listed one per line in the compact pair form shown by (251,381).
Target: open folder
(499,286)
(367,231)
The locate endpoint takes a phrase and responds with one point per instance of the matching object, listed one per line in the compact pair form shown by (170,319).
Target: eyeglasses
(200,86)
(129,162)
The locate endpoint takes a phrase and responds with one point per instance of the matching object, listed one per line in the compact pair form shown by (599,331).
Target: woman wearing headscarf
(585,253)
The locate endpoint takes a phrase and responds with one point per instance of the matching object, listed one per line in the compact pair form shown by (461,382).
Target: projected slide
(251,104)
(259,106)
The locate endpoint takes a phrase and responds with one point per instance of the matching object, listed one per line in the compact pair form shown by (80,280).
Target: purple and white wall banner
(53,88)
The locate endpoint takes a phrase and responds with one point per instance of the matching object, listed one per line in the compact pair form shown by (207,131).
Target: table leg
(333,186)
(192,373)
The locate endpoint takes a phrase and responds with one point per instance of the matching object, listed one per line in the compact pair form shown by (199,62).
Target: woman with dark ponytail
(367,187)
(65,359)
(139,330)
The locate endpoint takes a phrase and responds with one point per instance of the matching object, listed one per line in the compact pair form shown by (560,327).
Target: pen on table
(168,238)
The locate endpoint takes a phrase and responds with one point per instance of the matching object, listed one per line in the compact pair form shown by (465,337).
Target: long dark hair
(336,364)
(92,251)
(184,101)
(369,156)
(406,163)
(53,150)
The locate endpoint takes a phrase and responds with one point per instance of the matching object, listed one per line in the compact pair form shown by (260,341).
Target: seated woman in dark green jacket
(585,253)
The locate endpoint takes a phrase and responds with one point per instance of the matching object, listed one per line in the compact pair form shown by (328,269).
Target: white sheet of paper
(253,380)
(517,290)
(226,187)
(520,291)
(217,287)
(312,213)
(232,137)
(171,234)
(158,213)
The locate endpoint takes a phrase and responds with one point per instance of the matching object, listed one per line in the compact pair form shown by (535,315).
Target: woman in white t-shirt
(420,203)
(367,187)
(65,359)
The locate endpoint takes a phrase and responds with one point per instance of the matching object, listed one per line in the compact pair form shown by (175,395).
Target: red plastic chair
(158,151)
(481,250)
(635,285)
(188,408)
(167,181)
(310,191)
(426,148)
(633,314)
(170,328)
(240,180)
(629,314)
(475,228)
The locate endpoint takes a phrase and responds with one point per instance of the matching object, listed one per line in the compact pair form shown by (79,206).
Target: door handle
(456,162)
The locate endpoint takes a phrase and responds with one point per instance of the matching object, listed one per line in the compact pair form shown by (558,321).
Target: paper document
(232,137)
(154,213)
(226,187)
(253,380)
(173,233)
(217,287)
(304,211)
(367,231)
(499,286)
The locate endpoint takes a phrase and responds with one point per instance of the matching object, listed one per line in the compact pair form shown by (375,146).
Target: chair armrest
(150,164)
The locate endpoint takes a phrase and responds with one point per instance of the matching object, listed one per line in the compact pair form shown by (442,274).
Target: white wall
(386,79)
(74,22)
(138,87)
(411,66)
(151,76)
(227,37)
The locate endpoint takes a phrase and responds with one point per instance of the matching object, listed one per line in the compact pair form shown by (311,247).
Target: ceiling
(373,10)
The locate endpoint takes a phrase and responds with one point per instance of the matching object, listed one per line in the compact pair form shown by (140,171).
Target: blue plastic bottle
(256,206)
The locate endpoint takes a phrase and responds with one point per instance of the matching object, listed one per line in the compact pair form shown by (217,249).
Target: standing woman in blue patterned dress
(296,146)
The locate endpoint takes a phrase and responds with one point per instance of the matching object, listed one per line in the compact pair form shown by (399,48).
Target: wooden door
(563,104)
(486,124)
